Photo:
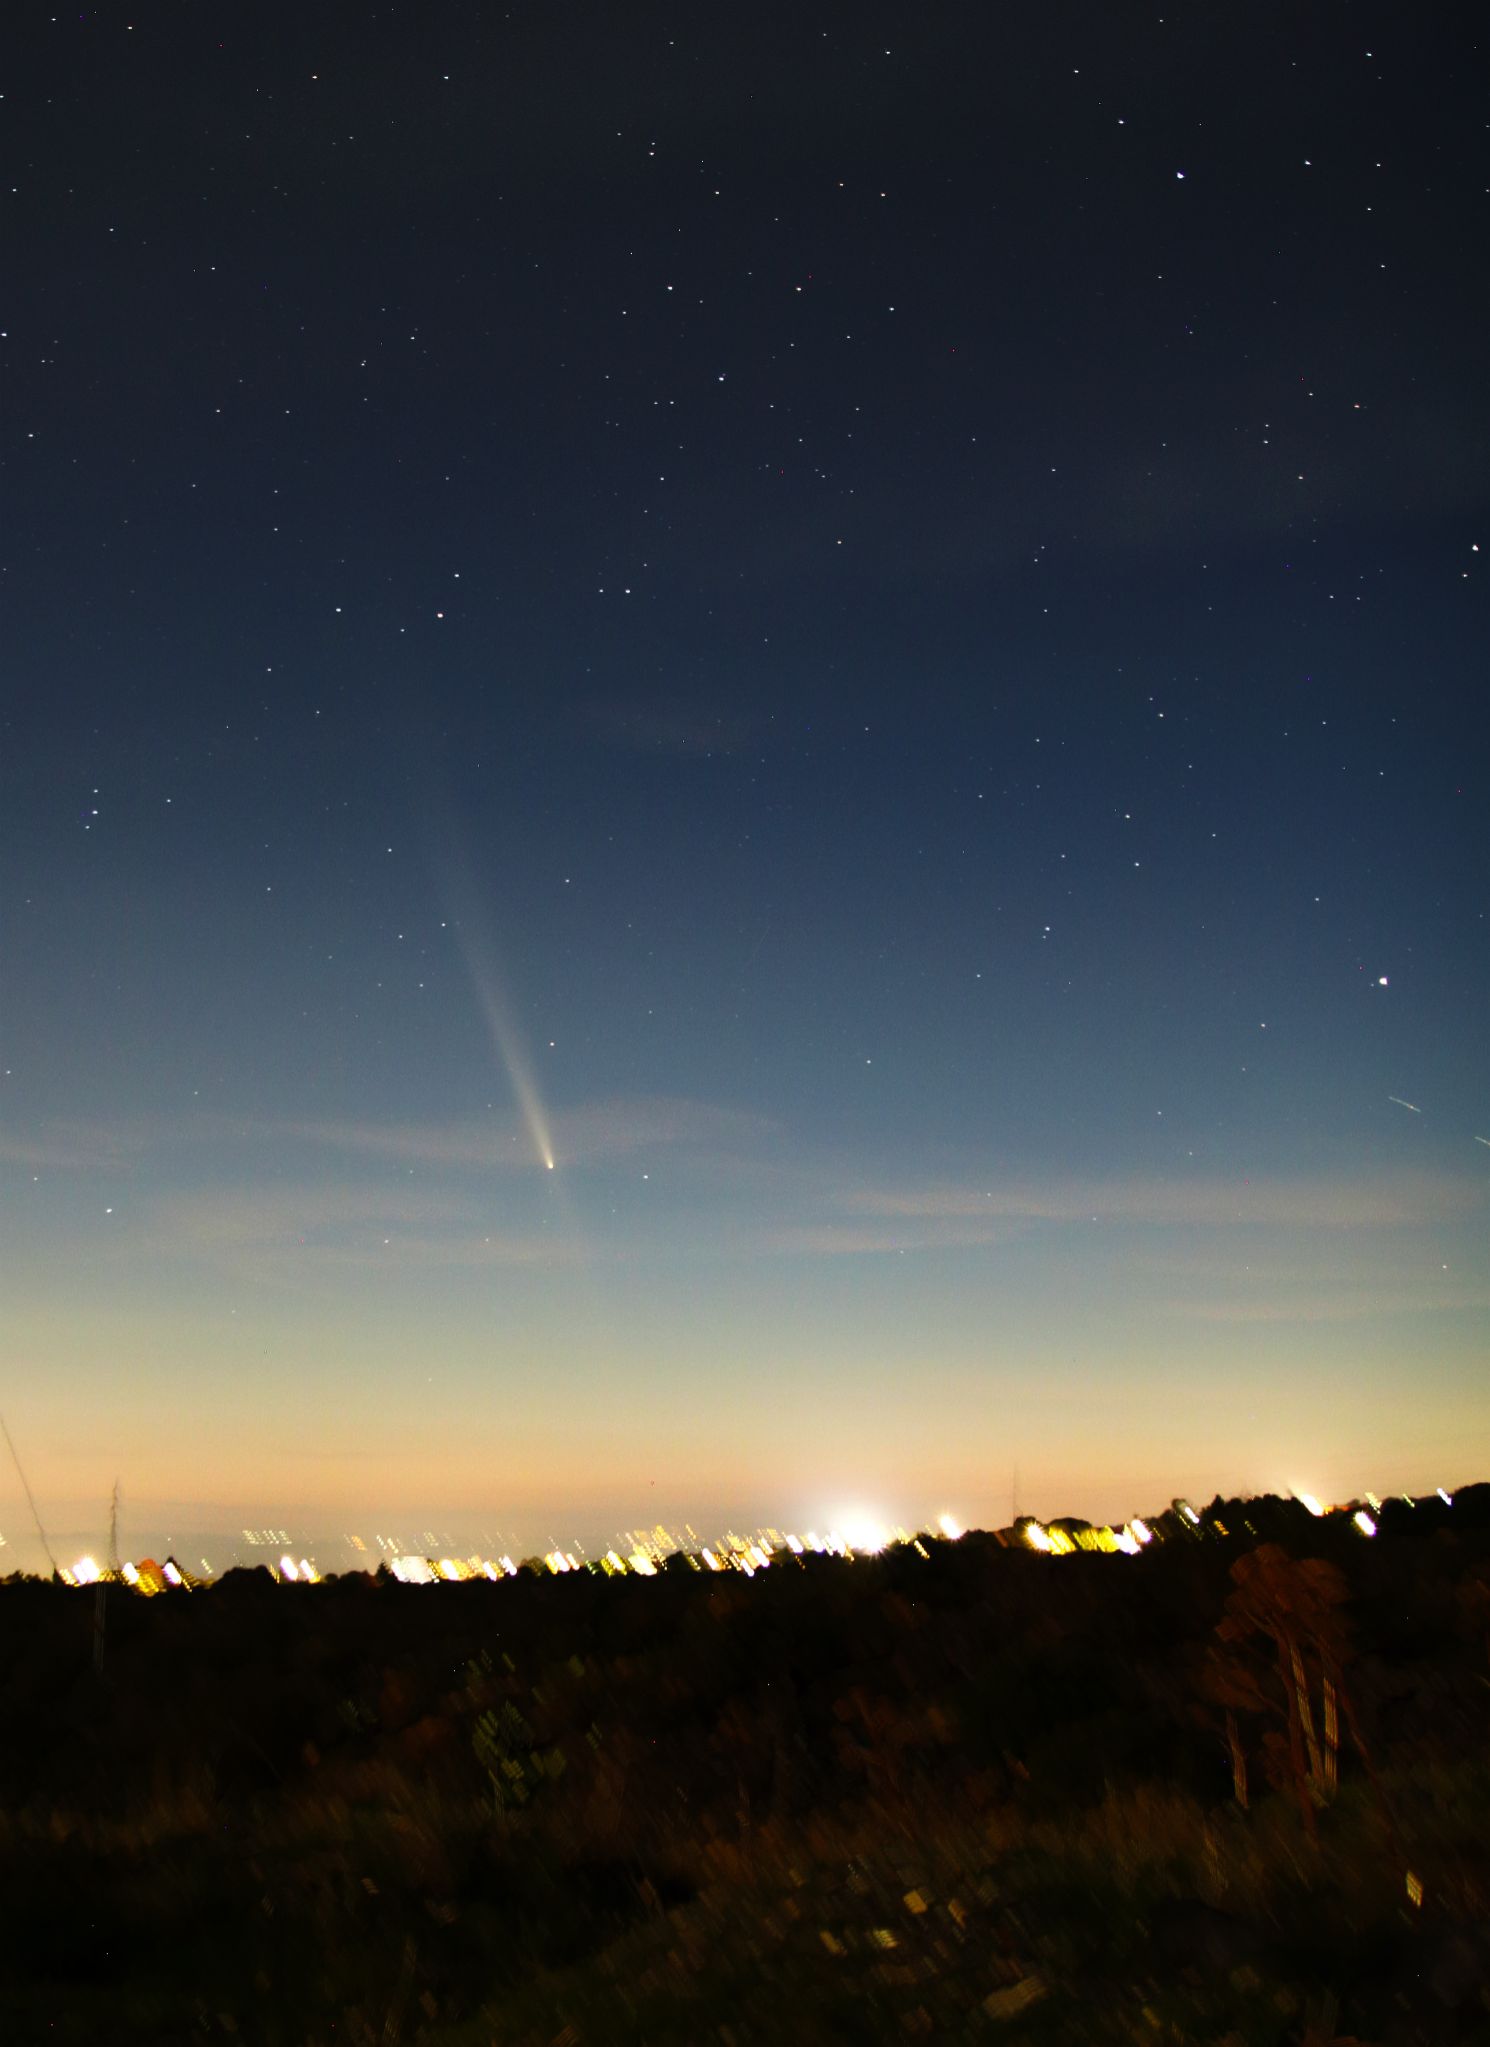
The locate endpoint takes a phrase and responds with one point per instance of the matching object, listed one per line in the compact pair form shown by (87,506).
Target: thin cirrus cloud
(1346,1303)
(584,1135)
(1401,1200)
(341,1226)
(78,1147)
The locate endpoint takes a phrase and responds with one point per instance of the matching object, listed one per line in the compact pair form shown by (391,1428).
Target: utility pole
(101,1590)
(30,1497)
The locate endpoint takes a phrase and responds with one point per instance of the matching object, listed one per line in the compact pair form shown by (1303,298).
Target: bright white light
(85,1571)
(288,1568)
(794,1544)
(1127,1542)
(951,1527)
(862,1532)
(1308,1500)
(1141,1529)
(1036,1537)
(1447,1498)
(413,1570)
(1364,1522)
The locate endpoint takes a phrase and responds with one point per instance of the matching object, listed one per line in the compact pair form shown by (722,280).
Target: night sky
(743,759)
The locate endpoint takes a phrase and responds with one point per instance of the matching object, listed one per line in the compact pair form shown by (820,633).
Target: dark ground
(971,1794)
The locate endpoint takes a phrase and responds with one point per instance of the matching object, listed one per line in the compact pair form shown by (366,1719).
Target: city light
(644,1552)
(862,1532)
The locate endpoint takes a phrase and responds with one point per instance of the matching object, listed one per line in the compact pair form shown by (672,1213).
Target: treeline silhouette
(1234,1789)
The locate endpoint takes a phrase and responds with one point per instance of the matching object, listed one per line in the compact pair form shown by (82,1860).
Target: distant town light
(1447,1498)
(85,1571)
(1308,1500)
(411,1570)
(288,1568)
(1363,1521)
(863,1533)
(951,1527)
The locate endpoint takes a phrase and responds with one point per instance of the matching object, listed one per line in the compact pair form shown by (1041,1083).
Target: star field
(742,757)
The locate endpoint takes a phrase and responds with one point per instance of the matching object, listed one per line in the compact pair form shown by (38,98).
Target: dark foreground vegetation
(1233,1790)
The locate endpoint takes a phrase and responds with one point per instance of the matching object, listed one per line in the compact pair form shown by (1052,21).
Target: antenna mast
(30,1496)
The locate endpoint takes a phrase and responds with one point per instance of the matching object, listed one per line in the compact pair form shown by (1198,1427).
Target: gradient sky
(743,759)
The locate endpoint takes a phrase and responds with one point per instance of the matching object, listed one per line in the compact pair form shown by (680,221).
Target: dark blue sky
(741,751)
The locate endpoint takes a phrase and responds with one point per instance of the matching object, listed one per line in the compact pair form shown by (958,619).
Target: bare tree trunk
(1331,1739)
(1298,1767)
(1306,1716)
(1238,1760)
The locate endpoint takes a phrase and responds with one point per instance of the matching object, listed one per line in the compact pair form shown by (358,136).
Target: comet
(509,1047)
(480,955)
(1409,1105)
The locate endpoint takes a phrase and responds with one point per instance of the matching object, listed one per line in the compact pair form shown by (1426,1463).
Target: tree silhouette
(1281,1643)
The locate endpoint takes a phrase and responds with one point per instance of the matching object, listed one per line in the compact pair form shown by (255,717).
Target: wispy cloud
(64,1145)
(1341,1304)
(1320,1203)
(581,1136)
(76,1147)
(313,1226)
